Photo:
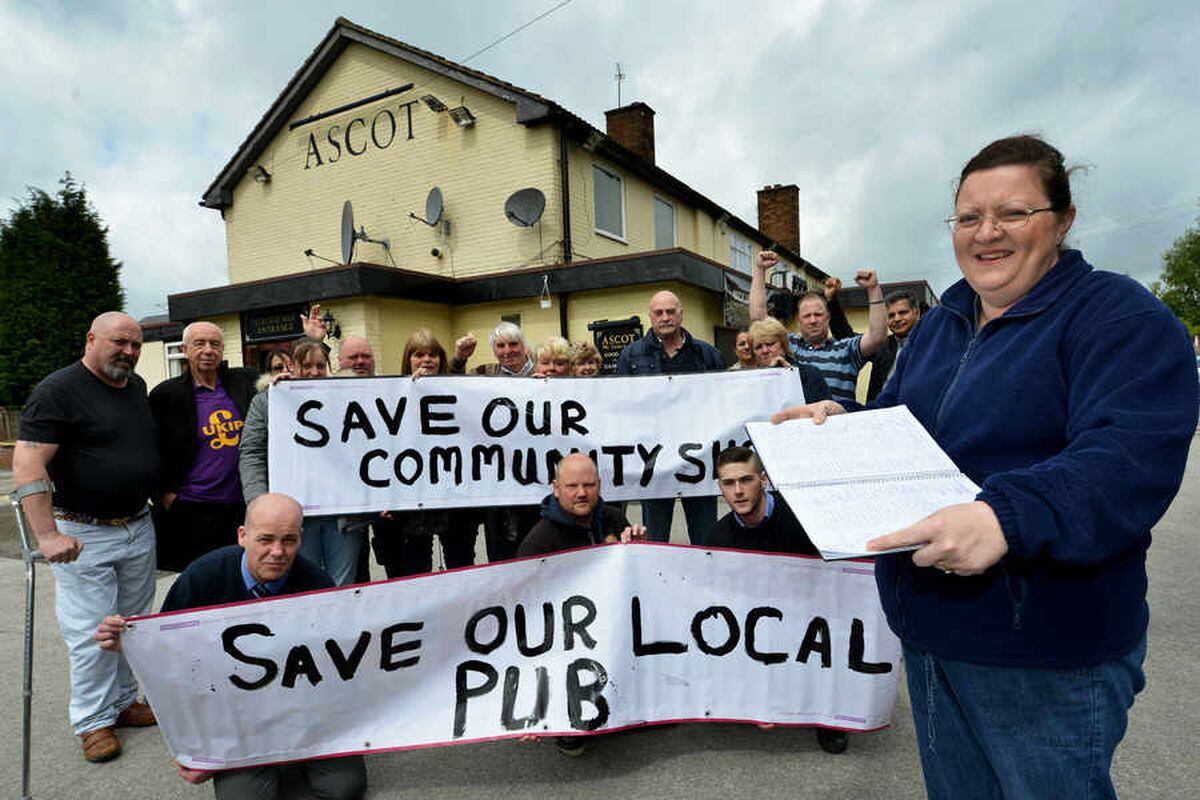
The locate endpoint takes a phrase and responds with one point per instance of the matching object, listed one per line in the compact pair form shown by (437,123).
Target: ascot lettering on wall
(359,135)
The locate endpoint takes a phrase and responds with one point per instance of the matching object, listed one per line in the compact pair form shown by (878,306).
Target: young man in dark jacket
(575,516)
(760,520)
(200,416)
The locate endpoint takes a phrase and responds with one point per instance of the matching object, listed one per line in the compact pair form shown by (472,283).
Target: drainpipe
(562,315)
(564,166)
(563,171)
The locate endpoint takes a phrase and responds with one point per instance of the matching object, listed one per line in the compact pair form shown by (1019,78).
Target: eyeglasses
(1005,219)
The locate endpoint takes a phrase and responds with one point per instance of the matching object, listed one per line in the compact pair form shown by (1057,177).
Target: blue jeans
(700,512)
(1020,732)
(323,543)
(114,574)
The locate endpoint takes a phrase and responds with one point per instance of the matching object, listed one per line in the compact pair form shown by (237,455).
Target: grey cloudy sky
(870,107)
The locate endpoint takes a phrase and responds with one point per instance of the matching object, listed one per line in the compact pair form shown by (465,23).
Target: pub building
(537,218)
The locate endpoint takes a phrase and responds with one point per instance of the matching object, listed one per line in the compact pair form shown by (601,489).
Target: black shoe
(574,746)
(832,741)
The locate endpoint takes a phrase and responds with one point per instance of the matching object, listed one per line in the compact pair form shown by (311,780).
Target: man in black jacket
(199,416)
(264,563)
(668,349)
(760,520)
(575,516)
(903,313)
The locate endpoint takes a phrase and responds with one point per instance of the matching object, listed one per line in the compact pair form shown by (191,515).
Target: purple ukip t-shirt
(214,477)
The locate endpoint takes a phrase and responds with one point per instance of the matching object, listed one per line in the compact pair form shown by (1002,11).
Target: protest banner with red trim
(584,641)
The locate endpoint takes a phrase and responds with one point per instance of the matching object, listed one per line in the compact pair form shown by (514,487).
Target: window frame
(616,236)
(674,221)
(737,238)
(174,358)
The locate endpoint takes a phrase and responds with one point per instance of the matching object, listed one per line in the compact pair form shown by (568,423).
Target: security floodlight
(462,116)
(433,104)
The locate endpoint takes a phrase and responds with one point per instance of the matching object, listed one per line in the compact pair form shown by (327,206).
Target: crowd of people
(1066,393)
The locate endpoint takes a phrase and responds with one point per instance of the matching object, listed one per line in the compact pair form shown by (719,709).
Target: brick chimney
(633,127)
(779,214)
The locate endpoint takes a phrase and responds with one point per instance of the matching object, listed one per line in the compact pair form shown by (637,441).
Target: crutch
(30,557)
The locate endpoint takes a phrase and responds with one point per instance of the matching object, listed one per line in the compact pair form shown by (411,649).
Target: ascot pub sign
(378,130)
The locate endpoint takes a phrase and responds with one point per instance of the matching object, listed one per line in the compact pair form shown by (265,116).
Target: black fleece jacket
(558,531)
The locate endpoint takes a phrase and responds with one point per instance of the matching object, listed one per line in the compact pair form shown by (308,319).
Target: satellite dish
(433,206)
(523,208)
(348,235)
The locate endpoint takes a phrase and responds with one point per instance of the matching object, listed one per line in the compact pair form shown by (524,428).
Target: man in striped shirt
(838,360)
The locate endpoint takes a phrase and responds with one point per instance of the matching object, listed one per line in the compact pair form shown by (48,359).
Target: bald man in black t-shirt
(85,467)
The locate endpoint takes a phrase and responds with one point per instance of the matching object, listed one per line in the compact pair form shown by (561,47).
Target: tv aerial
(525,207)
(350,236)
(434,209)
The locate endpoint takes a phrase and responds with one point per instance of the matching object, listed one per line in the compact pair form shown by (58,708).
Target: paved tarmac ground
(1156,760)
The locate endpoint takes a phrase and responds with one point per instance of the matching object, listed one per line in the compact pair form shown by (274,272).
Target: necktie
(260,590)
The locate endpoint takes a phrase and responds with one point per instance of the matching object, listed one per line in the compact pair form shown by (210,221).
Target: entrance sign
(613,336)
(349,445)
(584,641)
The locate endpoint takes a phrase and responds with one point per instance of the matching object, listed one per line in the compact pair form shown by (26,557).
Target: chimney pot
(632,126)
(779,214)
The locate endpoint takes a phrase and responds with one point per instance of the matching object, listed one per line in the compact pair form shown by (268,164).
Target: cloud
(870,107)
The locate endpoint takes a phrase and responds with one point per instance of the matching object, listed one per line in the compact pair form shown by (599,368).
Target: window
(175,359)
(610,202)
(664,224)
(741,254)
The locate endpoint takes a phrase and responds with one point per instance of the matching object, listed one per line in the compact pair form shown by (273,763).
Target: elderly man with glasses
(200,415)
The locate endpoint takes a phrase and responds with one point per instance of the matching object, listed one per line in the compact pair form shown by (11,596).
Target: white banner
(589,640)
(348,445)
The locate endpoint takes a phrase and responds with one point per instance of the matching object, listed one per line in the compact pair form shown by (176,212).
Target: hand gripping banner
(584,641)
(348,445)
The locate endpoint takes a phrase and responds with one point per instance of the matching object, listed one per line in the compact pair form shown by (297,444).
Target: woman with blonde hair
(552,358)
(769,341)
(585,360)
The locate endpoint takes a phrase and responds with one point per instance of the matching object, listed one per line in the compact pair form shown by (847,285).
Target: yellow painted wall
(269,225)
(231,332)
(695,229)
(152,363)
(857,317)
(587,242)
(397,320)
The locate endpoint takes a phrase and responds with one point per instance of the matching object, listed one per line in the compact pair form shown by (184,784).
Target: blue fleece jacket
(1074,412)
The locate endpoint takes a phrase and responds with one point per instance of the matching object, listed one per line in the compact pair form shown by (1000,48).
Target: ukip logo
(223,429)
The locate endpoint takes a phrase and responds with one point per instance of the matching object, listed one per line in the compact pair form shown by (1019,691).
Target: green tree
(1179,284)
(56,274)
